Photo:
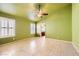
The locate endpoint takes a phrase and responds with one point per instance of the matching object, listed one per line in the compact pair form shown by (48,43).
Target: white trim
(39,1)
(77,49)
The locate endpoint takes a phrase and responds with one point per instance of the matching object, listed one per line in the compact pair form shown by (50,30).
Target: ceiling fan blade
(45,13)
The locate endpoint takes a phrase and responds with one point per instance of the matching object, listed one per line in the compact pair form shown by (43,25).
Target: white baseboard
(75,47)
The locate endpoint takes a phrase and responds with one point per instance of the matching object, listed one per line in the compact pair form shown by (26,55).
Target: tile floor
(38,47)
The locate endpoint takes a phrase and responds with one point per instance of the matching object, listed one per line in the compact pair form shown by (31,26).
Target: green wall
(22,28)
(59,23)
(75,24)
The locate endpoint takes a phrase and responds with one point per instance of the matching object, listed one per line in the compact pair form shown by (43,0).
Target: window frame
(3,19)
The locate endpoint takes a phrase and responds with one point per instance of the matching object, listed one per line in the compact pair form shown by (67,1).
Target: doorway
(41,28)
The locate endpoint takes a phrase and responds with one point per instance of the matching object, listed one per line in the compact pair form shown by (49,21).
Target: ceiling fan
(40,13)
(36,12)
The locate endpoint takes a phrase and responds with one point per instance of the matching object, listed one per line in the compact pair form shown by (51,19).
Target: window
(32,28)
(7,27)
(40,27)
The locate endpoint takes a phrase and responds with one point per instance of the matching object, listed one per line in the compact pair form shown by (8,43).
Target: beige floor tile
(38,46)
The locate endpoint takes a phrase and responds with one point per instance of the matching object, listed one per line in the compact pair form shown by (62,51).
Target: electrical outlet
(13,38)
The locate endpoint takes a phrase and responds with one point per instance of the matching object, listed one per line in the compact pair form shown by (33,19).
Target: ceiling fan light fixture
(39,13)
